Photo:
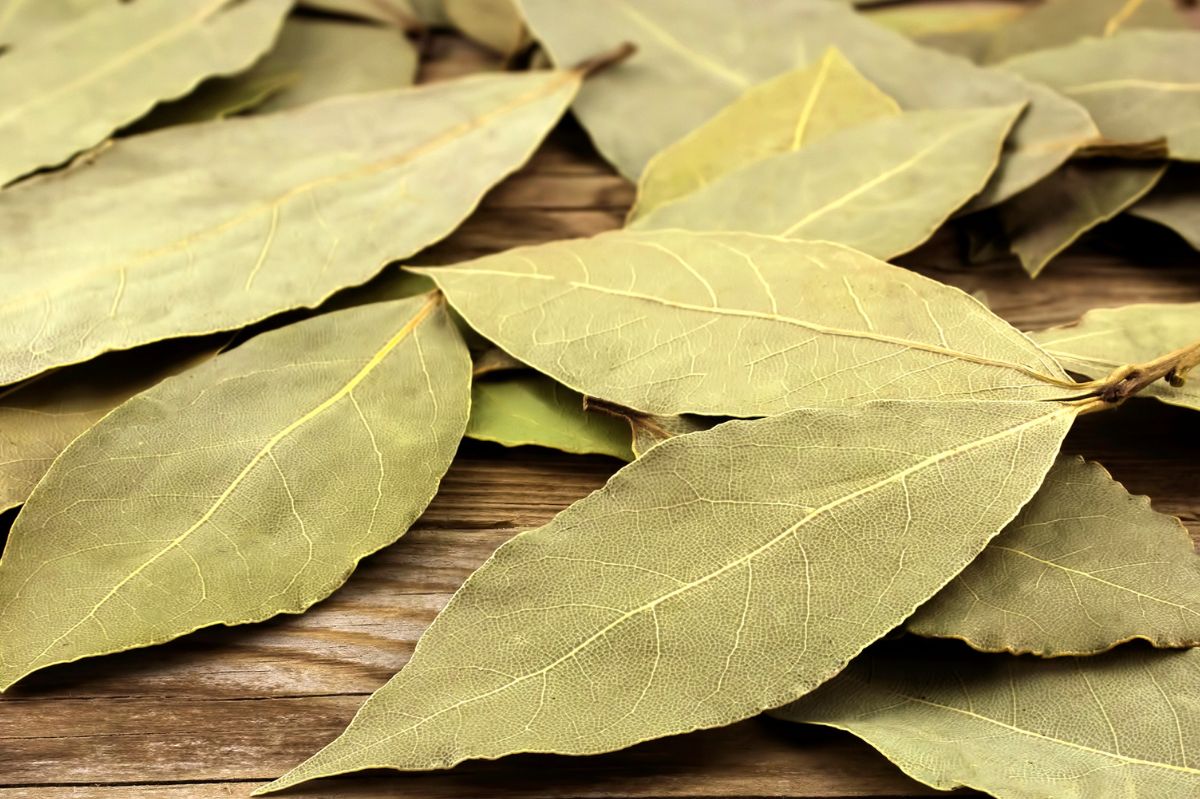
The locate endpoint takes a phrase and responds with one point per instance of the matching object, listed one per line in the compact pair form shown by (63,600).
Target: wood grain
(219,712)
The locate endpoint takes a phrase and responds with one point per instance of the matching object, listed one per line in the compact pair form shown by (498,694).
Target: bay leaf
(496,24)
(1175,203)
(961,28)
(1061,22)
(1107,338)
(68,91)
(405,14)
(883,187)
(736,324)
(1121,724)
(22,20)
(40,417)
(268,213)
(312,60)
(781,115)
(1084,567)
(493,360)
(649,430)
(704,583)
(1045,219)
(220,497)
(1137,85)
(693,61)
(531,409)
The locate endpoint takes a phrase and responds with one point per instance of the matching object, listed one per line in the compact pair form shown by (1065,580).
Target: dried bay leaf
(39,418)
(649,430)
(1061,22)
(67,91)
(1045,219)
(405,14)
(1137,85)
(781,115)
(691,63)
(882,187)
(219,496)
(1108,338)
(496,24)
(737,324)
(1122,724)
(1175,203)
(1084,567)
(312,60)
(704,583)
(961,28)
(268,213)
(531,409)
(22,20)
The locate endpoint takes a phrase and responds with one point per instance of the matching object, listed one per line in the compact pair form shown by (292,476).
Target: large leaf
(1084,567)
(1137,85)
(268,213)
(882,188)
(734,324)
(533,409)
(781,115)
(38,419)
(312,60)
(692,61)
(1175,203)
(1061,22)
(69,90)
(706,582)
(22,20)
(1124,724)
(246,487)
(1045,219)
(1108,338)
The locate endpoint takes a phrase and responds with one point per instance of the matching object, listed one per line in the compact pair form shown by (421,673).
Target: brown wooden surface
(219,712)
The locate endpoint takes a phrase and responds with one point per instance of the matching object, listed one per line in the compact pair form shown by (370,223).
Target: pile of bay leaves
(221,391)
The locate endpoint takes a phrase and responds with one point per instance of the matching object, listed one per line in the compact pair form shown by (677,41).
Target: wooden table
(220,712)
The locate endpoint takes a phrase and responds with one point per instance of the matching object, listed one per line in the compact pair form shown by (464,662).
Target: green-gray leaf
(1137,85)
(405,14)
(246,487)
(1175,203)
(692,62)
(1045,219)
(1124,724)
(496,24)
(706,582)
(882,187)
(781,115)
(531,409)
(736,324)
(268,213)
(1084,567)
(68,90)
(1107,338)
(39,418)
(1062,22)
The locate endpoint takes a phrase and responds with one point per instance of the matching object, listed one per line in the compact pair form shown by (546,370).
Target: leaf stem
(1126,381)
(602,61)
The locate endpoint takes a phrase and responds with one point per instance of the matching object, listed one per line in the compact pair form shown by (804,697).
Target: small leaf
(312,60)
(68,91)
(1175,203)
(1084,567)
(535,410)
(734,324)
(692,60)
(249,486)
(882,187)
(1044,220)
(1137,85)
(781,115)
(496,24)
(706,582)
(39,418)
(1062,22)
(268,213)
(1108,338)
(1125,723)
